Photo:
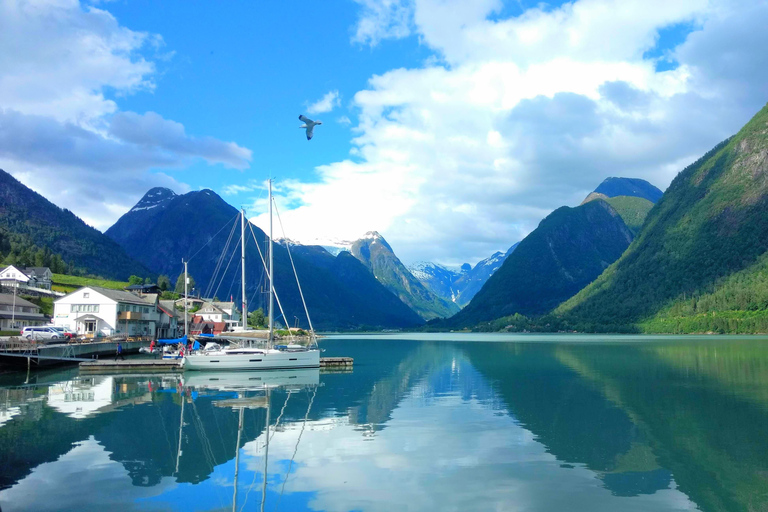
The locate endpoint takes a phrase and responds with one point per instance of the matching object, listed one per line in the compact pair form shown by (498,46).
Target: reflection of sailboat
(249,357)
(254,391)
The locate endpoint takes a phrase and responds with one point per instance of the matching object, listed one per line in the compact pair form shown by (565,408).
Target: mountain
(26,214)
(632,198)
(374,252)
(202,228)
(633,187)
(473,280)
(699,262)
(459,287)
(568,249)
(437,278)
(132,223)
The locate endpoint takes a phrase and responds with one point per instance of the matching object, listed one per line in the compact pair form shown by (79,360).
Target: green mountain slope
(708,232)
(633,210)
(374,252)
(568,249)
(30,217)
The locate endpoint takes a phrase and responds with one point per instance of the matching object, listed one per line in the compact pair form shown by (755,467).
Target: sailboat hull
(269,360)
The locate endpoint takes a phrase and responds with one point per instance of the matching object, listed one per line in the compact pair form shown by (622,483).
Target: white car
(43,334)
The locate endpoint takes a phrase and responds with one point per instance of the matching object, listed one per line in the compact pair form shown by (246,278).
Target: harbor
(98,356)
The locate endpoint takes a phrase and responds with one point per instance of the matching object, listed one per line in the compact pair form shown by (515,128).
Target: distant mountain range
(341,293)
(30,217)
(459,286)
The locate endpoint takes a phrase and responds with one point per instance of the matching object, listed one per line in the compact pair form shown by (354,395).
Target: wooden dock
(170,365)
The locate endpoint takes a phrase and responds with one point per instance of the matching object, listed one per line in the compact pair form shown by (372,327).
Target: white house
(13,276)
(95,311)
(26,277)
(16,312)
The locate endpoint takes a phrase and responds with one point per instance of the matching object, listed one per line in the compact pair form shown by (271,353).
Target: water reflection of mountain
(641,415)
(703,408)
(570,417)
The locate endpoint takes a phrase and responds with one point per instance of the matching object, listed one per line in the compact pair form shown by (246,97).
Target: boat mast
(271,273)
(242,264)
(186,299)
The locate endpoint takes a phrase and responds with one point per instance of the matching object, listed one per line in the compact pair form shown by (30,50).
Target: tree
(180,283)
(147,280)
(135,280)
(256,318)
(163,282)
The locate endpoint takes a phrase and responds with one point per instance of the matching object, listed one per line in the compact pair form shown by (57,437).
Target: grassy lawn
(66,284)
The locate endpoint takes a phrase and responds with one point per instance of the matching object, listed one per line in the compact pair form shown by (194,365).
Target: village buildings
(16,313)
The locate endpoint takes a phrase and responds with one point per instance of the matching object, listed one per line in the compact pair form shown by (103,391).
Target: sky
(451,127)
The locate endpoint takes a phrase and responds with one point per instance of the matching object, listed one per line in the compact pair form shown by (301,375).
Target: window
(86,295)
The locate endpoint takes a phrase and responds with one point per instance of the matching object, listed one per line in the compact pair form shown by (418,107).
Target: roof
(7,299)
(208,305)
(120,295)
(37,270)
(20,269)
(169,306)
(219,304)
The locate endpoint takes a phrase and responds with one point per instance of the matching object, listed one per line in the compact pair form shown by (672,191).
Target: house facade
(95,311)
(16,313)
(26,277)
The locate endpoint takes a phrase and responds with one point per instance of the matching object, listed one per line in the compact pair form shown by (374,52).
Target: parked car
(64,331)
(42,333)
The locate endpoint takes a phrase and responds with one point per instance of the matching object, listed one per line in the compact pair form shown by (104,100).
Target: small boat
(174,348)
(246,356)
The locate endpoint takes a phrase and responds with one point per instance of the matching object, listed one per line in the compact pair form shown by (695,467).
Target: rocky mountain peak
(153,198)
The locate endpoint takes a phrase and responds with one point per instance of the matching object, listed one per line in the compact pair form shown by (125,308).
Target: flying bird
(309,125)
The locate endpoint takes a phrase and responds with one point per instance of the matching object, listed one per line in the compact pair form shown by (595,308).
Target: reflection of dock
(171,365)
(131,366)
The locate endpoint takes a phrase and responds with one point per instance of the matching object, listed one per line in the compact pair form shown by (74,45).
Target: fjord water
(424,422)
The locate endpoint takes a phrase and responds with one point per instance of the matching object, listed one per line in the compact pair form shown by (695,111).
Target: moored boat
(246,356)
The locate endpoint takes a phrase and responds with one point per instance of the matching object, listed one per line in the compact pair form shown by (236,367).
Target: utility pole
(13,309)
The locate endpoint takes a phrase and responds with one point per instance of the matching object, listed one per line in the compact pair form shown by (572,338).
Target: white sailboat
(247,357)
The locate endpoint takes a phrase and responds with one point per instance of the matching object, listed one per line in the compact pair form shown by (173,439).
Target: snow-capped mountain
(459,286)
(156,197)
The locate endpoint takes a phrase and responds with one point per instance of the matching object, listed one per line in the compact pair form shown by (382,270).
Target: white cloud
(454,161)
(325,104)
(383,19)
(59,132)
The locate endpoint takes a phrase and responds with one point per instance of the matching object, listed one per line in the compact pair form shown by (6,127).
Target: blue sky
(454,127)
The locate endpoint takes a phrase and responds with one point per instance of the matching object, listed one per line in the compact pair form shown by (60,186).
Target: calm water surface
(427,422)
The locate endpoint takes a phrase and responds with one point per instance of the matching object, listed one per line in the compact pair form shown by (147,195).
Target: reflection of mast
(181,424)
(237,455)
(266,460)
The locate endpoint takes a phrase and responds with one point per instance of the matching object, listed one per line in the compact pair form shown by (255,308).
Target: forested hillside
(700,257)
(31,223)
(564,253)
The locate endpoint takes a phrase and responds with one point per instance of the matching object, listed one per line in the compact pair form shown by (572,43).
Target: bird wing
(305,119)
(310,132)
